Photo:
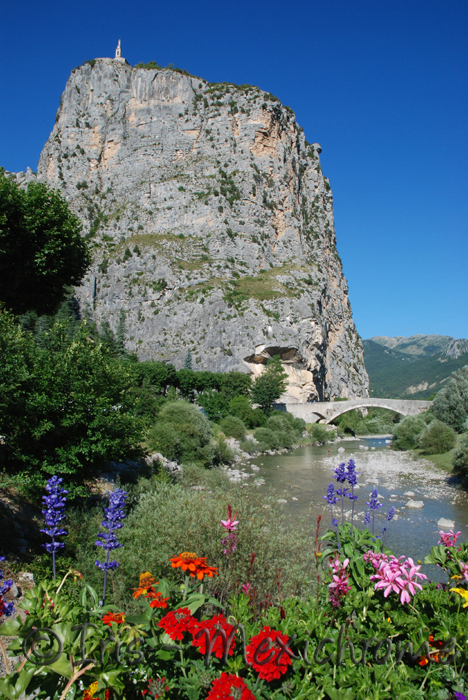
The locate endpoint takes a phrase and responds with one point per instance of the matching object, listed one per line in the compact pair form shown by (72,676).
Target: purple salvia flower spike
(374,505)
(54,513)
(6,609)
(114,514)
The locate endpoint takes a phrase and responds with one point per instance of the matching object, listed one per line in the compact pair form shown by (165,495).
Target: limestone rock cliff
(211,224)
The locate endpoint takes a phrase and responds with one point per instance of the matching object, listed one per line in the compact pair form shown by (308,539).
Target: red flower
(218,622)
(229,687)
(113,617)
(178,622)
(266,655)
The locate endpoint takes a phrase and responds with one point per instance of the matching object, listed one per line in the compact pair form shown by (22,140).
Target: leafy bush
(451,403)
(233,427)
(406,433)
(437,438)
(278,423)
(286,440)
(183,433)
(266,438)
(223,453)
(318,432)
(248,445)
(460,458)
(67,406)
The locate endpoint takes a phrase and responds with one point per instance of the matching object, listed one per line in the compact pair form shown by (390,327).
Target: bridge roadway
(327,411)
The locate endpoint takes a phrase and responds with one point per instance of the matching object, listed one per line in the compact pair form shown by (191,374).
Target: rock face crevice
(211,225)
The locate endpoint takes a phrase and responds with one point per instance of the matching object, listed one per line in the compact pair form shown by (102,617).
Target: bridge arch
(327,411)
(363,403)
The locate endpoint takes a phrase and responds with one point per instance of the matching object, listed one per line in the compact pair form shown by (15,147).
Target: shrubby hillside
(412,368)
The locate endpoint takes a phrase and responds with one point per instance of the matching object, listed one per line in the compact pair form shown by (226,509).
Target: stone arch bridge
(327,411)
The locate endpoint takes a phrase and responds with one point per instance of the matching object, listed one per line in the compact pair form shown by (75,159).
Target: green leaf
(164,655)
(340,694)
(87,589)
(10,627)
(136,619)
(62,666)
(15,685)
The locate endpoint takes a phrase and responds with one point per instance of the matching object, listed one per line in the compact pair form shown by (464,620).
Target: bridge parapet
(327,411)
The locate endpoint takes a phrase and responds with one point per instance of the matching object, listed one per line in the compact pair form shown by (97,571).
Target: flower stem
(105,579)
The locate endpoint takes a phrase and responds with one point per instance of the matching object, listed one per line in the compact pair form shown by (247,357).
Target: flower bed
(372,627)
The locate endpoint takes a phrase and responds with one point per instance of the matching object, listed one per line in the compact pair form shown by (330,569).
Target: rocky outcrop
(211,225)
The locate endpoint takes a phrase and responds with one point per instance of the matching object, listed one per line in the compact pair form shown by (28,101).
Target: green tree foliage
(460,459)
(451,403)
(377,421)
(69,409)
(215,404)
(159,375)
(182,433)
(270,385)
(41,249)
(437,438)
(233,427)
(241,407)
(406,433)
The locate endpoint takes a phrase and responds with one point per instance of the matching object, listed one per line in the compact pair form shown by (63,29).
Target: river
(301,477)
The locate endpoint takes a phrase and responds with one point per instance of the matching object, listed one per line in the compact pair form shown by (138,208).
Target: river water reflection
(301,477)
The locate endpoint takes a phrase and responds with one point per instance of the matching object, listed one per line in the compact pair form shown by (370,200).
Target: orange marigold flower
(434,656)
(89,692)
(146,583)
(113,617)
(196,566)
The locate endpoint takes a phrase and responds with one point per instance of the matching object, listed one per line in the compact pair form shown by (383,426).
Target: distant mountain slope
(415,372)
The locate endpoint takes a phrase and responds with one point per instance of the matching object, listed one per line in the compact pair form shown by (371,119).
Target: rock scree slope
(211,225)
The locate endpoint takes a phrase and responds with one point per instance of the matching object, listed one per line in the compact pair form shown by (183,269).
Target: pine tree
(188,360)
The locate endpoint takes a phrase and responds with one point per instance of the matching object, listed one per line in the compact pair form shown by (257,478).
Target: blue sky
(380,84)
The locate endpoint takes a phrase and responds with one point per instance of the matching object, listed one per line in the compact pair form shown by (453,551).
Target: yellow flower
(457,578)
(463,593)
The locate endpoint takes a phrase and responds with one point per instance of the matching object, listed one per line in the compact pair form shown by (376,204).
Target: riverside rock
(211,225)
